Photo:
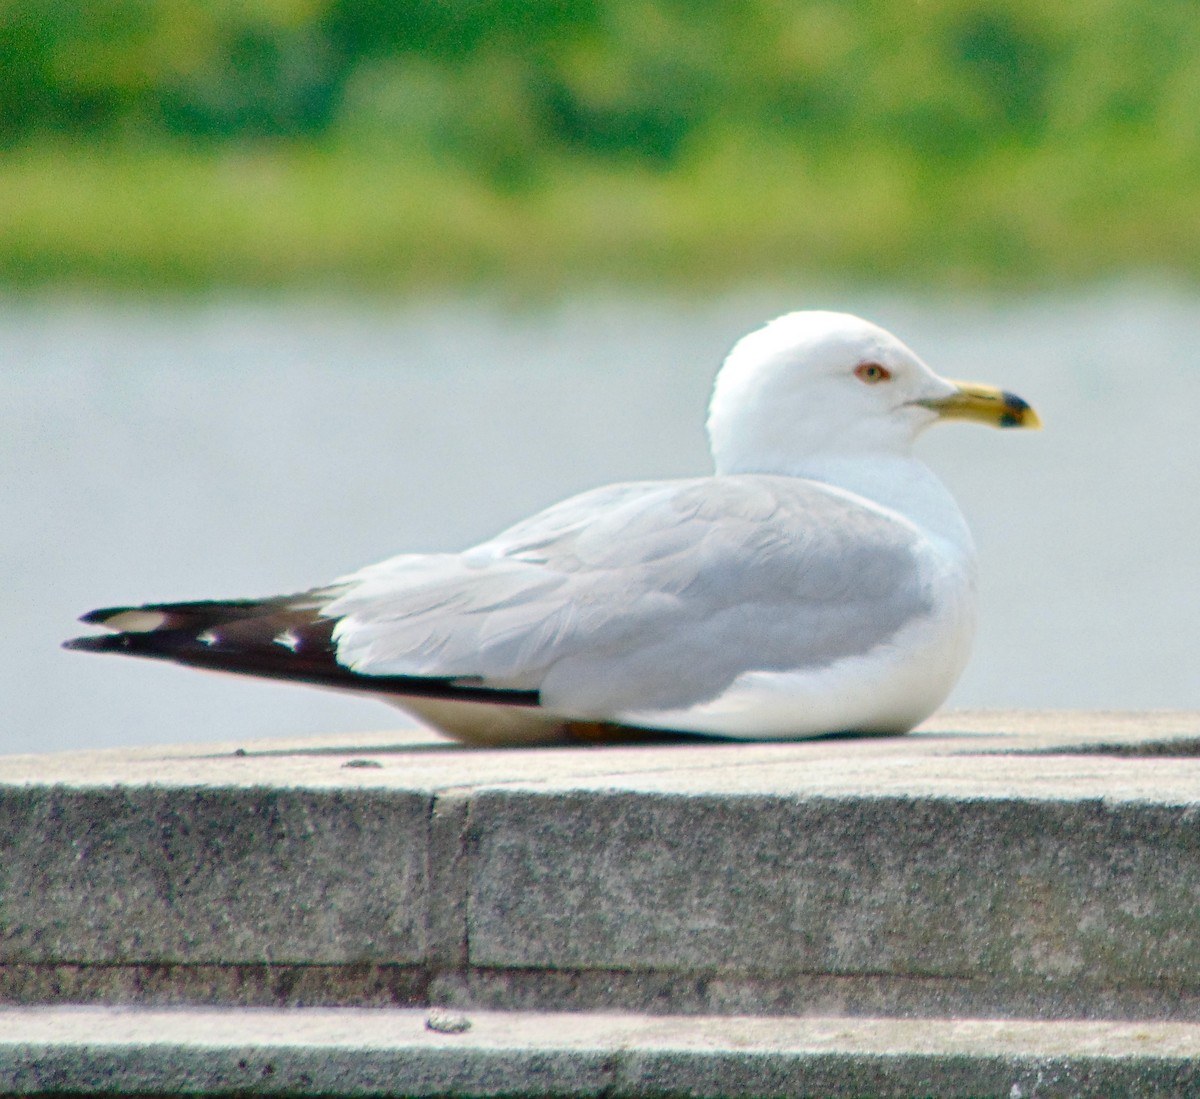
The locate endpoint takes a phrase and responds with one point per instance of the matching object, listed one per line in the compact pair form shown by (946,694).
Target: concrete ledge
(1002,864)
(352,1052)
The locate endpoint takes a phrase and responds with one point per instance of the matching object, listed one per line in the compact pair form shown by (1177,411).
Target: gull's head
(814,385)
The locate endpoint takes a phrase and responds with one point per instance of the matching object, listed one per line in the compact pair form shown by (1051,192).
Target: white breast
(889,689)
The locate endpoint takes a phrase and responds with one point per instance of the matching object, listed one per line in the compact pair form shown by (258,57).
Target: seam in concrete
(652,992)
(657,992)
(449,878)
(1146,749)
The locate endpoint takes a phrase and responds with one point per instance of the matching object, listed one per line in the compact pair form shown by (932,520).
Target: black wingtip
(98,643)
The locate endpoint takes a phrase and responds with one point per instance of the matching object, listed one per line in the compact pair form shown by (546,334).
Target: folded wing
(645,596)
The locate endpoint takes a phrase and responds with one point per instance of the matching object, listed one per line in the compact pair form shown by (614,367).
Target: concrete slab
(1015,864)
(212,874)
(1014,889)
(359,1052)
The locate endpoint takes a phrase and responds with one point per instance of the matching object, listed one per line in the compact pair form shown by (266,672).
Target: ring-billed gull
(821,580)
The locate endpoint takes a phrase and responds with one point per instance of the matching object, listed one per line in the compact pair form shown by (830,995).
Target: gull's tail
(284,637)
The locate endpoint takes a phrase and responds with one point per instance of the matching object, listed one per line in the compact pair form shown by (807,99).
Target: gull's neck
(900,483)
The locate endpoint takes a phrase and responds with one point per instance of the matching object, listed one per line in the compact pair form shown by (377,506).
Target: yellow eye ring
(872,373)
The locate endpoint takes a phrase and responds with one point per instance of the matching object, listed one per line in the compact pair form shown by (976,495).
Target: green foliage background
(285,142)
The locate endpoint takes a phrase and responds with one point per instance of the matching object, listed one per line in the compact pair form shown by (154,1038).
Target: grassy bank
(284,142)
(283,214)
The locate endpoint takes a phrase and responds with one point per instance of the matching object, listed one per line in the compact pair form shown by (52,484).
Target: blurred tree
(610,78)
(996,120)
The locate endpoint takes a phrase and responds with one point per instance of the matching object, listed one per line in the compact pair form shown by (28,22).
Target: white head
(818,385)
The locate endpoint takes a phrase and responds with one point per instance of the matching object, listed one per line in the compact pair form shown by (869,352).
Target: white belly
(890,689)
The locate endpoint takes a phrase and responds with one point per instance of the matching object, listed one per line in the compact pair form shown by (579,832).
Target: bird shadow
(644,739)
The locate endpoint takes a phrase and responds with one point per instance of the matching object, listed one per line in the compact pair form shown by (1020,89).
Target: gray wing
(645,596)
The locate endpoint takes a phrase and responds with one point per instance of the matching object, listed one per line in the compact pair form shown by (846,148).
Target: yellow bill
(985,404)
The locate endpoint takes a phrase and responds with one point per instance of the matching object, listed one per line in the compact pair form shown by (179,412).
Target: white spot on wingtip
(208,637)
(136,621)
(288,640)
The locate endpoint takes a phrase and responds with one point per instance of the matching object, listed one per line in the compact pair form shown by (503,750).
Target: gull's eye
(872,373)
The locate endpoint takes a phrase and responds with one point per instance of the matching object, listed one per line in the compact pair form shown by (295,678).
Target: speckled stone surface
(1005,864)
(352,1052)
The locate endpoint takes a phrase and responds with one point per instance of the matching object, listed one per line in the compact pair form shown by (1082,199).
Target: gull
(822,580)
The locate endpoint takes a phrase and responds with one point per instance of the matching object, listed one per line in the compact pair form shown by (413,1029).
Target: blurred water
(172,450)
